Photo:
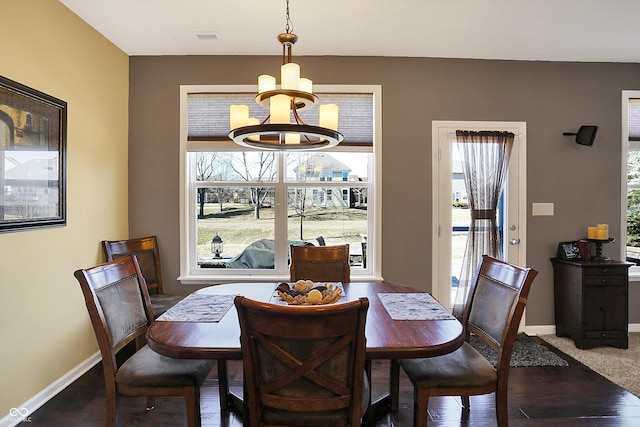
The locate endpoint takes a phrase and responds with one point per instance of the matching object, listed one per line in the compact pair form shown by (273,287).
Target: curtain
(485,158)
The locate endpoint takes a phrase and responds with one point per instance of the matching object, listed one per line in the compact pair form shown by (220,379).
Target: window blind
(634,119)
(208,115)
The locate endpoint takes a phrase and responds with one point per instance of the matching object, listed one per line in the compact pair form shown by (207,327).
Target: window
(631,185)
(259,202)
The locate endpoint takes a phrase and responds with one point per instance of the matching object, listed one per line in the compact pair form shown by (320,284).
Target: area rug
(526,352)
(621,366)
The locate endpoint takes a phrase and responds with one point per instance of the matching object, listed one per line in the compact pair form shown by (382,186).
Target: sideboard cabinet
(591,302)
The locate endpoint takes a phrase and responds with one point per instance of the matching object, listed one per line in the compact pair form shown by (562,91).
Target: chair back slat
(146,251)
(497,304)
(123,309)
(320,263)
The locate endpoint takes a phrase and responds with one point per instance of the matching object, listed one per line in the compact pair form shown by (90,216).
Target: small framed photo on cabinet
(569,251)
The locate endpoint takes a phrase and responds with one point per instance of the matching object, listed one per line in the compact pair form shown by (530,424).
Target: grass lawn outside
(237,227)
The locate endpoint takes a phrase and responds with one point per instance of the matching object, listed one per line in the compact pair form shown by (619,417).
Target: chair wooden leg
(150,405)
(112,408)
(466,404)
(394,384)
(502,412)
(420,406)
(192,400)
(223,384)
(367,417)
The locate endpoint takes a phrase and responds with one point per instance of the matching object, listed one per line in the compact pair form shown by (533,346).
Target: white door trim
(441,270)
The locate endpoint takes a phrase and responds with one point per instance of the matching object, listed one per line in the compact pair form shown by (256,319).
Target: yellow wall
(44,328)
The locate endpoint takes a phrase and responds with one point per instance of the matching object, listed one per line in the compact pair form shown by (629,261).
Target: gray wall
(551,97)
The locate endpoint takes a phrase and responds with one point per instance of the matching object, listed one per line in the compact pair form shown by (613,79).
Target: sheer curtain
(485,158)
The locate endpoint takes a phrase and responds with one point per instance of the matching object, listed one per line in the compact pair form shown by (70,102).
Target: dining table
(396,328)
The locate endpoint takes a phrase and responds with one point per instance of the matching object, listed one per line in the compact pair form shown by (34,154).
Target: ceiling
(547,30)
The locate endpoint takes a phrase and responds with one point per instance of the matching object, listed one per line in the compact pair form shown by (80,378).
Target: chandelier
(278,131)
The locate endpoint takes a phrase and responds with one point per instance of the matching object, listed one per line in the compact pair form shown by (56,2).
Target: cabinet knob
(603,308)
(604,281)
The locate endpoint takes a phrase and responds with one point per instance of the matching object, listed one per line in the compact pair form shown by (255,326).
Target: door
(451,216)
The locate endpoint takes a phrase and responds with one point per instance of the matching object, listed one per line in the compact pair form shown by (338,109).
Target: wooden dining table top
(386,338)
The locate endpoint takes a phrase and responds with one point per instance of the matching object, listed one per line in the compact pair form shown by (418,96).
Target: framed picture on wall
(32,148)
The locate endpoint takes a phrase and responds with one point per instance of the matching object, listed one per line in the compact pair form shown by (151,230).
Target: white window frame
(191,274)
(627,146)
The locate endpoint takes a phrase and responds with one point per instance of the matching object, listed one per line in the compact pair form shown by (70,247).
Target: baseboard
(21,412)
(551,329)
(540,330)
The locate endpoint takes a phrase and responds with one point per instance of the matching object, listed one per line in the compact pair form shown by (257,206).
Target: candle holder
(599,242)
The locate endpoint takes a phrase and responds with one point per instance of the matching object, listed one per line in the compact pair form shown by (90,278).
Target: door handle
(514,242)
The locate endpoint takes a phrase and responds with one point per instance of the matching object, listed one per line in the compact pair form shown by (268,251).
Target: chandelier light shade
(283,129)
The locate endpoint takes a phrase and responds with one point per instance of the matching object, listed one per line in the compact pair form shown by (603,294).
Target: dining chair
(117,299)
(320,263)
(304,365)
(148,254)
(496,301)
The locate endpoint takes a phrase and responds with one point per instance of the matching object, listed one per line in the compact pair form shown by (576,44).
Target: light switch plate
(542,209)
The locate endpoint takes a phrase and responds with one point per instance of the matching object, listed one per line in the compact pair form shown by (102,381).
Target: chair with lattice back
(304,365)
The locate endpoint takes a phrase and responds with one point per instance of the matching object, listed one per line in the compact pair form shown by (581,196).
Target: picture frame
(569,251)
(32,158)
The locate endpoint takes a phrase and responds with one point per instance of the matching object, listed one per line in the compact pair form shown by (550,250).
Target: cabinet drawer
(605,334)
(605,270)
(600,280)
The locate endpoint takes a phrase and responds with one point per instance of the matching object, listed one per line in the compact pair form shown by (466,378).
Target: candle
(266,83)
(289,76)
(292,138)
(305,85)
(329,116)
(602,231)
(239,116)
(279,109)
(602,234)
(592,232)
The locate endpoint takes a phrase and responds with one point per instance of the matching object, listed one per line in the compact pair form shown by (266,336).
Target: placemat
(413,306)
(199,308)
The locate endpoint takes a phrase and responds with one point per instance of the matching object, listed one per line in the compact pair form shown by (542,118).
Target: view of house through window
(236,194)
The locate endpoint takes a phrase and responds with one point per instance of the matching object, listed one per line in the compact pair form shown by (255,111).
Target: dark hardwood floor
(540,396)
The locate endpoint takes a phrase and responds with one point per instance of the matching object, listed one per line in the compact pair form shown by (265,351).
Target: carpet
(620,366)
(526,352)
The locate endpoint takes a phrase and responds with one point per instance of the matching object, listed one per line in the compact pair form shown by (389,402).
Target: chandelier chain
(289,24)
